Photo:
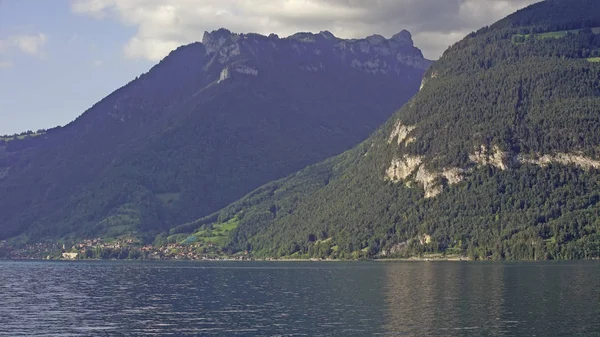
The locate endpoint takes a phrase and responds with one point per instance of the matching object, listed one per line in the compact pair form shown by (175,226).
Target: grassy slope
(552,35)
(217,234)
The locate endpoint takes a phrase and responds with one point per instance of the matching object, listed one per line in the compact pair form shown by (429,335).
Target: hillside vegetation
(497,157)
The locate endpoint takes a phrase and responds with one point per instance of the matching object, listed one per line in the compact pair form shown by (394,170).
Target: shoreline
(427,259)
(391,260)
(411,259)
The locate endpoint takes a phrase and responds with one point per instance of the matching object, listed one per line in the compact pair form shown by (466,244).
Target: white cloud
(151,48)
(97,63)
(434,43)
(162,25)
(92,7)
(28,44)
(5,64)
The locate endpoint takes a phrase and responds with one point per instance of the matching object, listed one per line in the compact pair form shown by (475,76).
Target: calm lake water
(299,299)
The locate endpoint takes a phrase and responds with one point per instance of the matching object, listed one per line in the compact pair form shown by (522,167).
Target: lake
(114,298)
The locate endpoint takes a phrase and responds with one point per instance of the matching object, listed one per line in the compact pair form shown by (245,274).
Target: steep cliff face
(313,52)
(497,156)
(209,123)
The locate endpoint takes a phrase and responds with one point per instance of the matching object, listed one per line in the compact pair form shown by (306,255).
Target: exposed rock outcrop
(401,132)
(431,181)
(453,175)
(426,79)
(374,54)
(502,160)
(224,75)
(217,39)
(576,159)
(428,180)
(494,157)
(401,168)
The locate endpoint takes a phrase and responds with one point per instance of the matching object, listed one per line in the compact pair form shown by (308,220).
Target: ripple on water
(266,299)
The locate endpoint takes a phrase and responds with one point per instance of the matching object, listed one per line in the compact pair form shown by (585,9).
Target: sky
(59,57)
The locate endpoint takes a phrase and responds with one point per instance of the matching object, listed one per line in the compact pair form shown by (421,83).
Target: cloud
(5,64)
(162,25)
(95,8)
(97,63)
(28,44)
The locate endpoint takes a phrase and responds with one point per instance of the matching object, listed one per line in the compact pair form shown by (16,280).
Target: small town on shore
(131,249)
(122,249)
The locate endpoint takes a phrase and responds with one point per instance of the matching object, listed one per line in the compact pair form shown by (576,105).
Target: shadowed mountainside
(206,125)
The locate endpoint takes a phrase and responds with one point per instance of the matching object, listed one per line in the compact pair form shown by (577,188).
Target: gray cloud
(162,25)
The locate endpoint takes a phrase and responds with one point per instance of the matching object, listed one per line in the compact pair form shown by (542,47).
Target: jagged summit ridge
(373,54)
(222,35)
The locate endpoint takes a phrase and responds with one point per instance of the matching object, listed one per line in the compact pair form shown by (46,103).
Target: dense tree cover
(554,15)
(208,124)
(528,97)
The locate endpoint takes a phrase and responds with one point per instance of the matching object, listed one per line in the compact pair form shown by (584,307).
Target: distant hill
(497,157)
(208,124)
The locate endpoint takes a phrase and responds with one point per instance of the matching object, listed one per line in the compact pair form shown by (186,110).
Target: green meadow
(520,38)
(216,234)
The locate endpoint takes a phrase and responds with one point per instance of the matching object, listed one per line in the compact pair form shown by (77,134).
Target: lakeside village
(125,249)
(133,249)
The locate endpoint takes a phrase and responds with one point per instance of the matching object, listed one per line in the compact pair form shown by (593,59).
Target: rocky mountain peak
(376,39)
(404,37)
(328,35)
(216,39)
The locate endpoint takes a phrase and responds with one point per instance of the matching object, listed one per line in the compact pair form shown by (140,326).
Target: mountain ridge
(207,124)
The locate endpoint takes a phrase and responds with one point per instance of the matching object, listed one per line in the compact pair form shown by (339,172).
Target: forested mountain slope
(497,156)
(208,124)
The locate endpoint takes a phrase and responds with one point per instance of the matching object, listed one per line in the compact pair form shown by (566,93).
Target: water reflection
(492,299)
(294,299)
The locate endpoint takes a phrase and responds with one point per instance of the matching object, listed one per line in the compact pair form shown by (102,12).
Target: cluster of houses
(29,252)
(81,250)
(191,252)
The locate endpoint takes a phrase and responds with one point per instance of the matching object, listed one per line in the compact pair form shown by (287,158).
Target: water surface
(299,299)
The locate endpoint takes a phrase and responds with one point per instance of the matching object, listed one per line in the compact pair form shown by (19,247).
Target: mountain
(208,124)
(497,157)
